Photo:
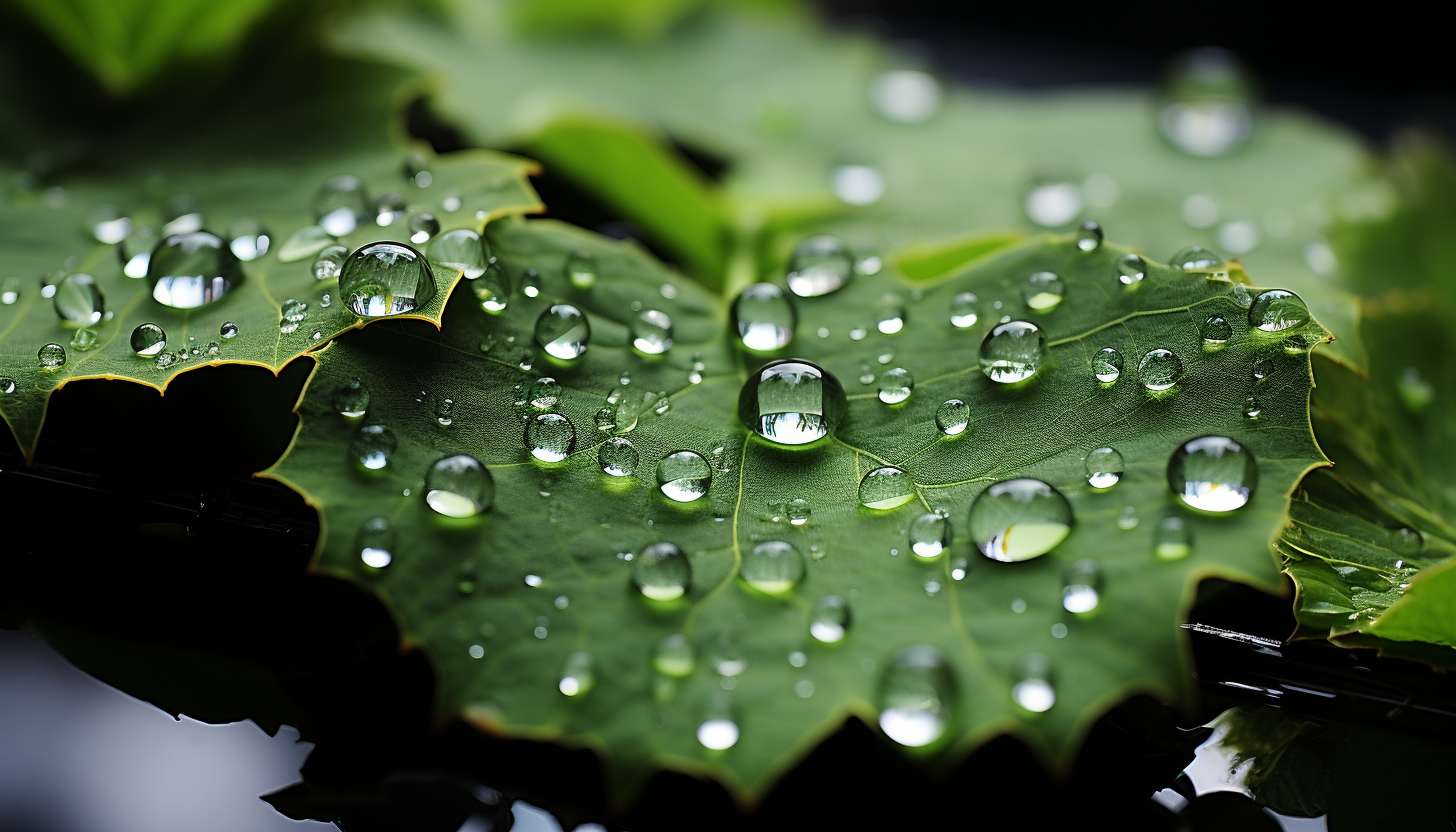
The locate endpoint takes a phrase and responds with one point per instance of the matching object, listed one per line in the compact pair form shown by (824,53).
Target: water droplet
(1033,687)
(460,249)
(1043,291)
(857,184)
(294,311)
(533,581)
(459,486)
(905,96)
(1261,369)
(1052,204)
(963,310)
(798,511)
(773,567)
(764,318)
(544,393)
(563,331)
(492,289)
(1013,351)
(890,316)
(351,400)
(1172,540)
(930,535)
(674,656)
(248,239)
(798,658)
(190,270)
(79,301)
(528,283)
(606,419)
(1019,519)
(148,340)
(165,360)
(386,278)
(1104,468)
(819,265)
(108,225)
(953,417)
(662,572)
(896,385)
(830,619)
(1206,110)
(422,227)
(1213,473)
(1195,259)
(578,675)
(618,457)
(792,402)
(652,332)
(1159,369)
(1131,269)
(375,542)
(1107,365)
(84,339)
(51,357)
(10,291)
(1252,407)
(372,446)
(1415,391)
(341,205)
(329,264)
(718,731)
(1200,211)
(1089,236)
(683,476)
(1081,586)
(228,330)
(445,412)
(1277,310)
(182,215)
(550,437)
(7,385)
(916,695)
(1215,331)
(1128,520)
(388,208)
(581,269)
(886,488)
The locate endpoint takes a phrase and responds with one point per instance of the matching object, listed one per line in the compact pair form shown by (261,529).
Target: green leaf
(502,600)
(785,103)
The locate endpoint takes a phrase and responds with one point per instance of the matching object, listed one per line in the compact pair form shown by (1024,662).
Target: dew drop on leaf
(773,567)
(1277,310)
(1104,468)
(341,205)
(544,393)
(830,619)
(328,264)
(78,300)
(953,417)
(819,265)
(550,437)
(492,289)
(422,228)
(1107,365)
(1206,110)
(1172,540)
(248,239)
(148,340)
(351,400)
(683,476)
(798,511)
(930,535)
(1013,351)
(563,331)
(1195,259)
(916,695)
(10,291)
(718,730)
(581,269)
(905,96)
(191,270)
(1033,689)
(617,457)
(459,486)
(51,357)
(1043,291)
(886,488)
(651,332)
(1215,332)
(375,543)
(372,446)
(674,656)
(460,249)
(578,674)
(963,310)
(1089,236)
(764,318)
(792,402)
(896,385)
(1159,369)
(1019,519)
(890,315)
(388,208)
(386,278)
(662,572)
(7,385)
(1081,586)
(84,339)
(1213,473)
(1052,203)
(1131,269)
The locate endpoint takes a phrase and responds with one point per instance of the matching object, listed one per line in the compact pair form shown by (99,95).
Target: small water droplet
(294,311)
(674,656)
(372,446)
(773,567)
(1128,520)
(718,731)
(1131,269)
(1089,236)
(1159,369)
(662,572)
(84,339)
(1195,259)
(798,658)
(953,417)
(329,263)
(386,278)
(1215,331)
(165,360)
(1013,351)
(1277,310)
(905,96)
(1172,540)
(459,486)
(492,289)
(550,437)
(477,652)
(963,310)
(7,385)
(858,333)
(51,357)
(792,402)
(341,205)
(890,315)
(581,269)
(1104,468)
(1052,203)
(375,542)
(764,318)
(460,249)
(182,215)
(916,694)
(351,400)
(1213,473)
(652,332)
(563,331)
(930,535)
(830,619)
(388,208)
(544,393)
(1206,110)
(578,674)
(896,385)
(1081,586)
(617,457)
(1019,519)
(533,581)
(886,488)
(228,330)
(683,476)
(1252,407)
(1200,211)
(857,184)
(248,239)
(1033,688)
(1043,291)
(1107,365)
(148,340)
(1261,369)
(78,300)
(10,291)
(606,419)
(422,227)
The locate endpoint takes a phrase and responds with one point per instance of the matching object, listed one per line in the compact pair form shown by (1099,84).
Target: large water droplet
(1043,291)
(563,331)
(930,535)
(662,572)
(248,239)
(1215,332)
(764,318)
(375,543)
(329,263)
(1033,689)
(1107,365)
(1277,310)
(459,486)
(386,279)
(1013,351)
(1081,586)
(492,289)
(1052,204)
(578,674)
(1195,259)
(896,385)
(1019,519)
(1089,236)
(1159,369)
(684,476)
(953,417)
(372,446)
(1213,473)
(341,205)
(773,567)
(459,249)
(550,437)
(78,300)
(148,340)
(820,265)
(652,332)
(1104,468)
(674,656)
(963,310)
(886,488)
(190,270)
(905,96)
(792,402)
(617,457)
(916,695)
(1172,540)
(1206,109)
(351,400)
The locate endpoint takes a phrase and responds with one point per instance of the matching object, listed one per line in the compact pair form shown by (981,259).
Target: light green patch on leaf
(503,600)
(931,260)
